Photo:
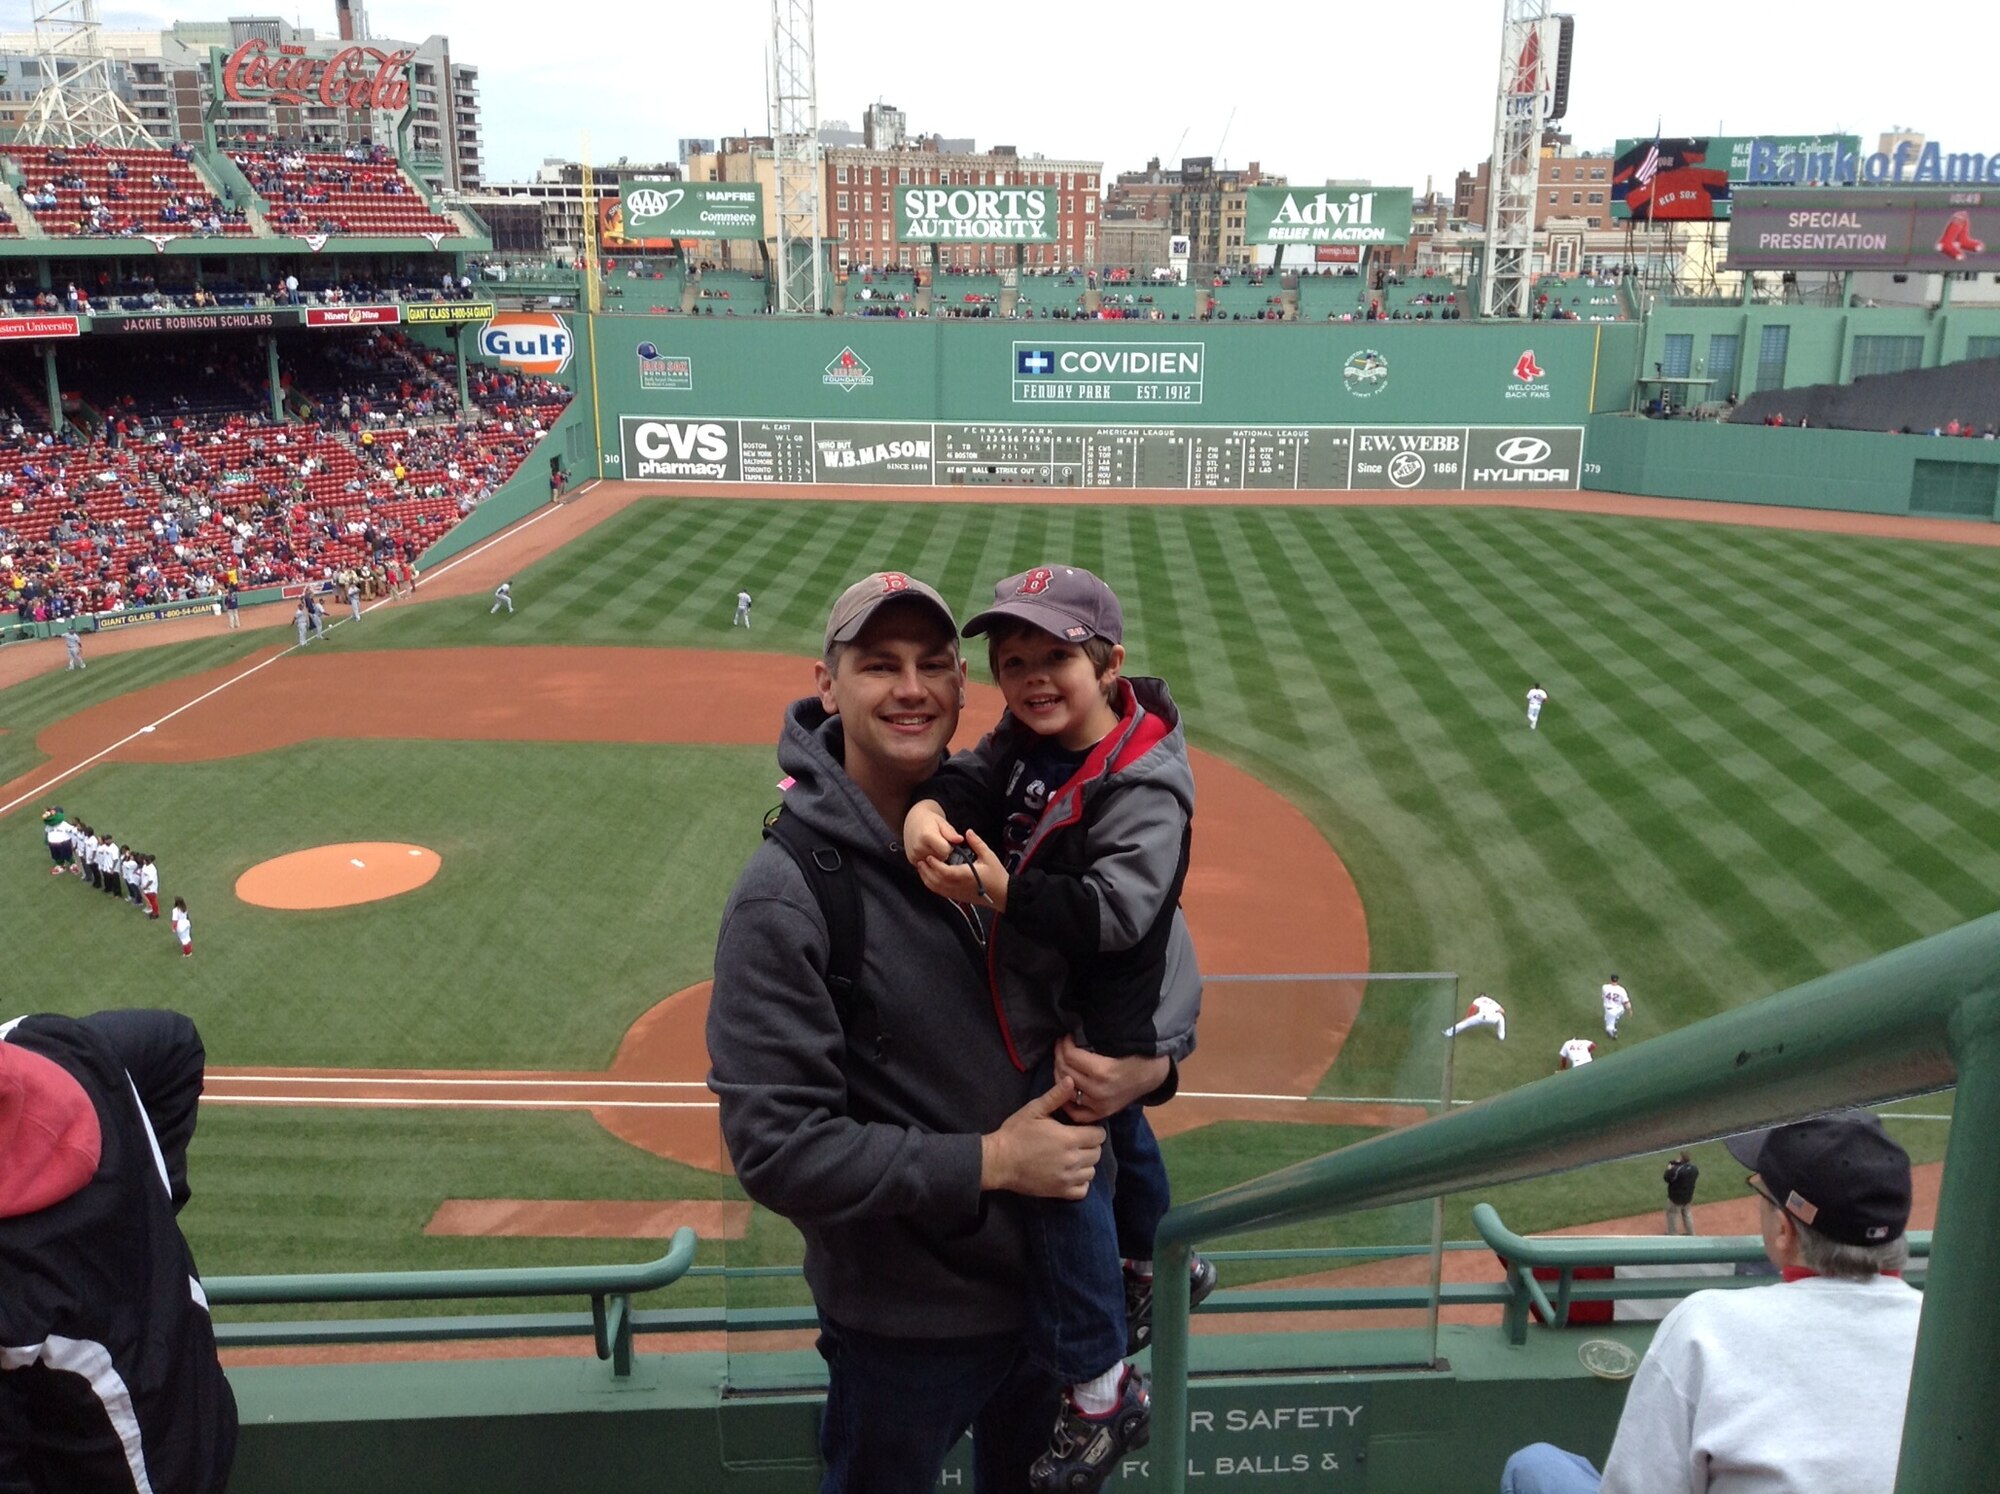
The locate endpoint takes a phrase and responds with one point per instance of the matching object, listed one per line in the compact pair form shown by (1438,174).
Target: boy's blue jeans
(1076,1308)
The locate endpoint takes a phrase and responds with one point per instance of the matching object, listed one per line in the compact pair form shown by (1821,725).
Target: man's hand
(1104,1086)
(927,834)
(982,883)
(1036,1154)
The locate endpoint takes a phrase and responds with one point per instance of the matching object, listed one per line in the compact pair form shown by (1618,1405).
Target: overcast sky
(1313,91)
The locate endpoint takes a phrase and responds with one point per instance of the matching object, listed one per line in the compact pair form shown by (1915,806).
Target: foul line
(579,1082)
(444,1102)
(68,773)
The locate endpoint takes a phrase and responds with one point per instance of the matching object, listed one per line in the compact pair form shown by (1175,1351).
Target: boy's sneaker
(1084,1450)
(1139,1300)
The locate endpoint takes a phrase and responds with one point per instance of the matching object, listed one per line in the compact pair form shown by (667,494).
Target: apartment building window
(867,202)
(1576,199)
(840,201)
(1597,173)
(840,173)
(1596,197)
(1554,198)
(903,176)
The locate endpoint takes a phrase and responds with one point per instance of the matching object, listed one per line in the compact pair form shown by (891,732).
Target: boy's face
(1054,689)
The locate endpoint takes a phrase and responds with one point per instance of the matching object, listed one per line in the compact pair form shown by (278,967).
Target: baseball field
(1767,754)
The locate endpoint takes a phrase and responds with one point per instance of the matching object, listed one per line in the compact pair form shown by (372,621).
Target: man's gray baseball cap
(1065,600)
(861,601)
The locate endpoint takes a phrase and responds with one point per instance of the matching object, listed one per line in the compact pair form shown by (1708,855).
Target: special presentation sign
(975,215)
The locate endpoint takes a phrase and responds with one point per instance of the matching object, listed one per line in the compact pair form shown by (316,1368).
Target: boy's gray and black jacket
(872,1148)
(1093,921)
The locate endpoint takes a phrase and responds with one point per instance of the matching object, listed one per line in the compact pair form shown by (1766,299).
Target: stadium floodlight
(795,164)
(1528,64)
(79,102)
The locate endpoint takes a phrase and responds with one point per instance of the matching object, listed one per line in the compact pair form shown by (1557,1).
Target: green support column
(1847,290)
(1951,1439)
(55,389)
(277,389)
(464,390)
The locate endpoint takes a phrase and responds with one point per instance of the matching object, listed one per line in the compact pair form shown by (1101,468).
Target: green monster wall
(1165,403)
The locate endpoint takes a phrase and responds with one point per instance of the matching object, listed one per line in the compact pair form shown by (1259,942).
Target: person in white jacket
(1793,1388)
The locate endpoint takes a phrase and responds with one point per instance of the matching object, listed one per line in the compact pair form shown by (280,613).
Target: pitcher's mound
(338,876)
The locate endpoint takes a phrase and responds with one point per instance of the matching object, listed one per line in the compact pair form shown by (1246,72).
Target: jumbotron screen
(1669,181)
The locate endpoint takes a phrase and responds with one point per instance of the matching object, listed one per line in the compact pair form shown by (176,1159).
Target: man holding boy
(891,1125)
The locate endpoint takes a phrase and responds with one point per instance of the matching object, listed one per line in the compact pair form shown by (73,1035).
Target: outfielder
(742,610)
(1484,1012)
(1537,698)
(1575,1053)
(74,645)
(503,596)
(1617,1006)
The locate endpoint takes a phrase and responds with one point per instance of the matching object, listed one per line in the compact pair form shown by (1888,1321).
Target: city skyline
(1292,93)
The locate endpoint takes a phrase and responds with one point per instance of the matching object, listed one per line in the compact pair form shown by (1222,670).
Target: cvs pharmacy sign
(680,450)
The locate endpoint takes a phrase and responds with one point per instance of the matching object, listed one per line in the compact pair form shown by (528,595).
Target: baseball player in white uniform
(742,610)
(1484,1012)
(503,596)
(73,645)
(1575,1053)
(1617,1006)
(1537,698)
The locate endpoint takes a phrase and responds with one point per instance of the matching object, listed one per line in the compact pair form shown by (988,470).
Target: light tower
(77,103)
(1514,175)
(796,158)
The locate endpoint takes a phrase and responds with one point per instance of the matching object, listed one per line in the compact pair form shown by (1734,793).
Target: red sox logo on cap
(1035,582)
(894,581)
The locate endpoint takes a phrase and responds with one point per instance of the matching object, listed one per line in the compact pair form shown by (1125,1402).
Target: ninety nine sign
(21,328)
(1327,215)
(692,210)
(352,78)
(353,316)
(989,215)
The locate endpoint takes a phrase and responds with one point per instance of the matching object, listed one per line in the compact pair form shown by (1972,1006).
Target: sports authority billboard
(1865,228)
(691,210)
(1327,215)
(1512,458)
(1684,180)
(975,215)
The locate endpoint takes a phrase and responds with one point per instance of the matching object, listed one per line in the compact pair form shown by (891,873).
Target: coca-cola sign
(352,78)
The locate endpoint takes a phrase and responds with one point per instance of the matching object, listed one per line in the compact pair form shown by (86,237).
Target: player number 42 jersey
(1577,1051)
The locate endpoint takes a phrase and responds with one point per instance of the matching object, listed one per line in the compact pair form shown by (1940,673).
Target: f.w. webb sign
(988,215)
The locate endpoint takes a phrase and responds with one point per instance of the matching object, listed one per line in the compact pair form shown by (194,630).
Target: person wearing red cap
(1793,1388)
(109,1379)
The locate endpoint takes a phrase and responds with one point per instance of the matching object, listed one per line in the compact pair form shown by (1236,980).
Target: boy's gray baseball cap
(1065,600)
(859,603)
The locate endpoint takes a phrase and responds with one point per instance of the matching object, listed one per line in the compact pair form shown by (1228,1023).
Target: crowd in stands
(325,283)
(161,497)
(99,192)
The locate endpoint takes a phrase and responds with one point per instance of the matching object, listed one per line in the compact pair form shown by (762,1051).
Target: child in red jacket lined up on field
(183,926)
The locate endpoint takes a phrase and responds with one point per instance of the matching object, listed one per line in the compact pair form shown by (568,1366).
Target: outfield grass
(1766,756)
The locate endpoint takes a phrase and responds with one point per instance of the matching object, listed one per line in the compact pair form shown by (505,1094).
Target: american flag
(1650,166)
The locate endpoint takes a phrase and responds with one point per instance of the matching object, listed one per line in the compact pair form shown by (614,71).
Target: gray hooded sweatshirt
(872,1150)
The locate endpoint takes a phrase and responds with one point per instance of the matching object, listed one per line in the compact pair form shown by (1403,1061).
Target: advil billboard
(535,342)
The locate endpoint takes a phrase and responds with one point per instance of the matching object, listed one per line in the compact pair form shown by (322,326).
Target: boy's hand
(927,834)
(1104,1086)
(982,883)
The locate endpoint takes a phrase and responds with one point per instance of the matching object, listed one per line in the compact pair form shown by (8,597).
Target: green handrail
(1908,1022)
(610,1289)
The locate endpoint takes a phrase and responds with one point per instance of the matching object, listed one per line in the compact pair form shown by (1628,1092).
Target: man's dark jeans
(896,1406)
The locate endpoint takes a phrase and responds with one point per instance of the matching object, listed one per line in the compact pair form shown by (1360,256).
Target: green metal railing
(1569,1254)
(1915,1020)
(610,1289)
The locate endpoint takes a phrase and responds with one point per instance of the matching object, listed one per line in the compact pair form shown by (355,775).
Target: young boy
(183,927)
(1077,810)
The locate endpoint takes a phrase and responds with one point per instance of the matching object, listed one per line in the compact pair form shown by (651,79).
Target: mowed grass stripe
(1857,774)
(1732,773)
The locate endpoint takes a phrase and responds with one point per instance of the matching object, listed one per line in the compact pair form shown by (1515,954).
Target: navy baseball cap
(1841,1175)
(1065,600)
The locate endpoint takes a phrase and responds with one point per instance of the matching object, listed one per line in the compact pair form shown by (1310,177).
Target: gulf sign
(535,342)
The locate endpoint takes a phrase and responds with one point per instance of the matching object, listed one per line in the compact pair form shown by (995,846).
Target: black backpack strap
(833,887)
